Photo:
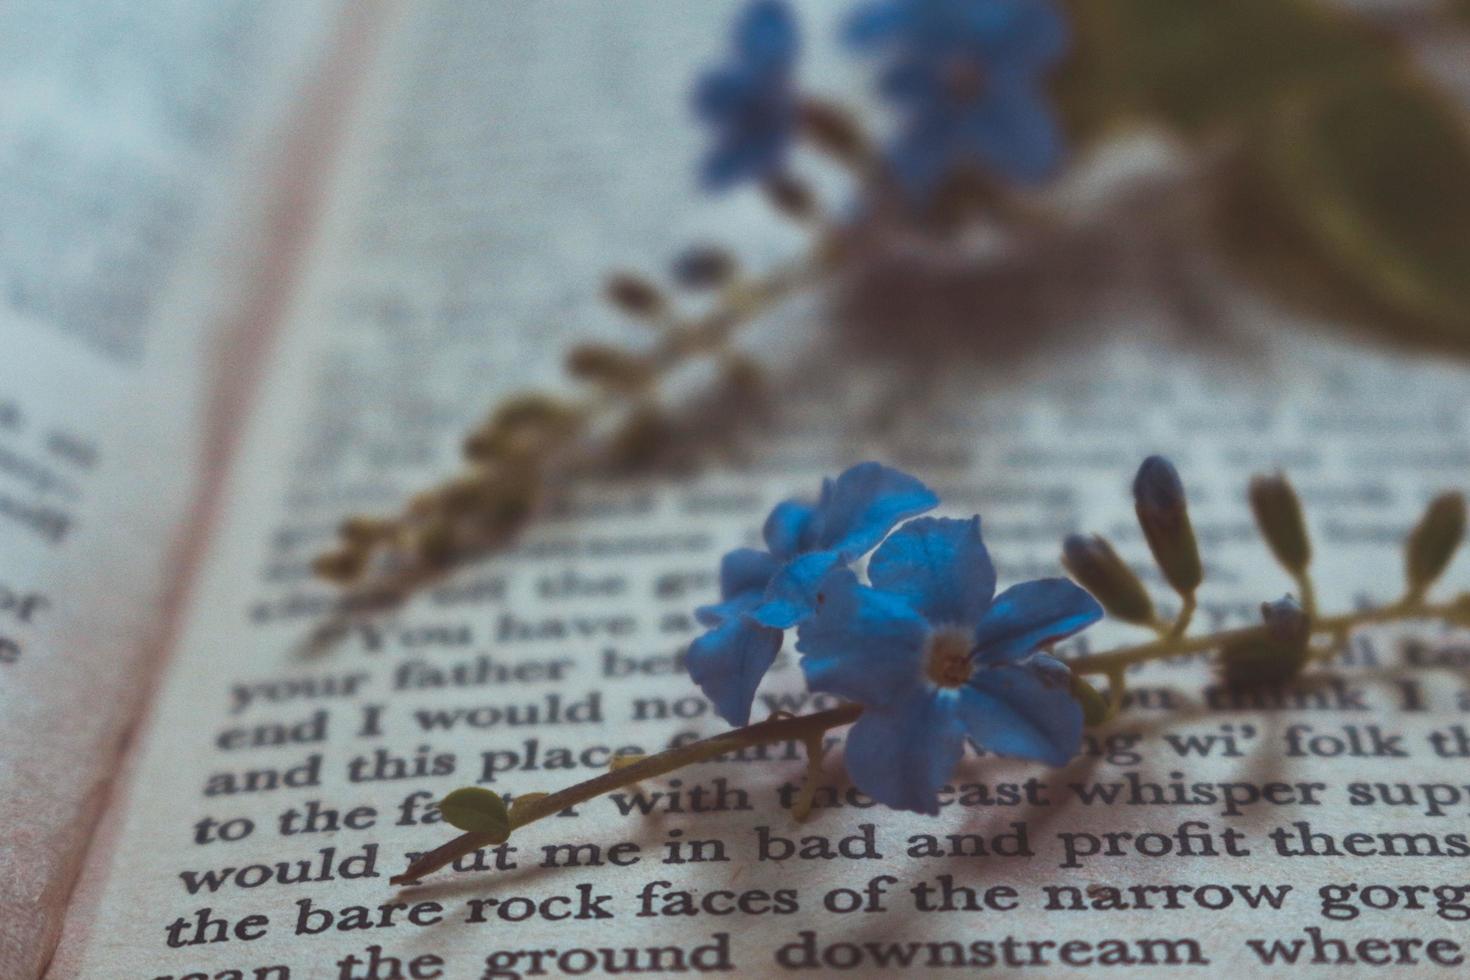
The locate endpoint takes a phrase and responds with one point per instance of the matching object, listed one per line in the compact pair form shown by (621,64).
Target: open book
(263,263)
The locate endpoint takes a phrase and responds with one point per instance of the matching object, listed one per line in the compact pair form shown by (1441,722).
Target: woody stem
(803,728)
(1173,646)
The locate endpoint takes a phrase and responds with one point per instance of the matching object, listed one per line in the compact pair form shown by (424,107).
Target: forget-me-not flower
(968,77)
(766,592)
(935,657)
(751,102)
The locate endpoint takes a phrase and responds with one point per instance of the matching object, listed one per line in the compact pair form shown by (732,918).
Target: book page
(505,157)
(135,141)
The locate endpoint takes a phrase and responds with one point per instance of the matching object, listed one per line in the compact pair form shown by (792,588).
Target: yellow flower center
(947,659)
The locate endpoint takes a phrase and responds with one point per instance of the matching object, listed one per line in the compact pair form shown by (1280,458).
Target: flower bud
(341,566)
(1274,657)
(608,366)
(360,531)
(834,130)
(1099,570)
(1432,543)
(1279,516)
(1158,499)
(634,294)
(791,197)
(703,267)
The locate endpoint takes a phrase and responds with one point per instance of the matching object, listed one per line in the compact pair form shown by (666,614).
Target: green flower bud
(1158,498)
(1272,658)
(1433,541)
(1279,516)
(477,810)
(1099,570)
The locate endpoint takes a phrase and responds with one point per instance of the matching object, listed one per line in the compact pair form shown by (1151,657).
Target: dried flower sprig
(927,656)
(1316,138)
(531,439)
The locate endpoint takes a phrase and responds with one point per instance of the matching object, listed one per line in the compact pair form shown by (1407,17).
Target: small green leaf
(1201,64)
(477,810)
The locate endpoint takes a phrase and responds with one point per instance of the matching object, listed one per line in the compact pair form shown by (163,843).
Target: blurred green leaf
(1203,64)
(1354,201)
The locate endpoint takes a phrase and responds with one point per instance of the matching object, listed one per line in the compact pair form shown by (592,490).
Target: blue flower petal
(792,594)
(722,92)
(865,502)
(1024,709)
(922,159)
(861,643)
(1002,122)
(875,23)
(788,530)
(1028,616)
(1018,32)
(1014,133)
(746,570)
(728,663)
(940,566)
(766,34)
(750,103)
(902,754)
(718,613)
(909,79)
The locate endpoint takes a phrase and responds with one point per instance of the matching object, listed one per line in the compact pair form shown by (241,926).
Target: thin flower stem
(1308,591)
(1335,626)
(816,745)
(1185,617)
(803,728)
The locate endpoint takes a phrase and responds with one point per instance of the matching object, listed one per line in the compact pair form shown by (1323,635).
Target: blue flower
(766,592)
(935,657)
(751,102)
(968,79)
